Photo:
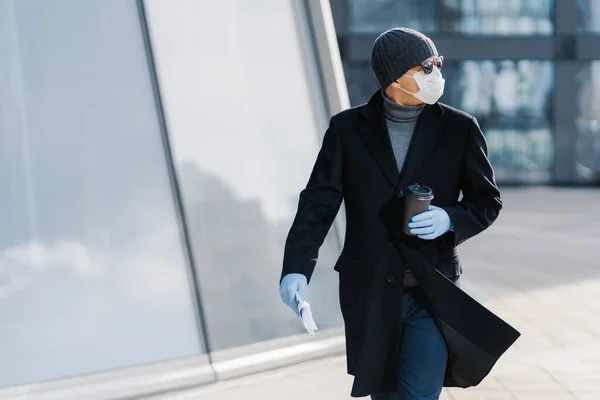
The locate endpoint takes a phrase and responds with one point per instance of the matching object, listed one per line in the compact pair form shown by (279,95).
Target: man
(370,154)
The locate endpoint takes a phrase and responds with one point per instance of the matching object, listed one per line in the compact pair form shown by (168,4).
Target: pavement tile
(480,394)
(587,395)
(533,339)
(531,379)
(580,384)
(446,395)
(544,396)
(490,383)
(556,329)
(554,297)
(529,307)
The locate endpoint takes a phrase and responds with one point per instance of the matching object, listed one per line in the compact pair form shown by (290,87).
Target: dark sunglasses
(428,65)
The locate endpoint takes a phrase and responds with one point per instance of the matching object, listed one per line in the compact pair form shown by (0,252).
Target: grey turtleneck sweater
(401,121)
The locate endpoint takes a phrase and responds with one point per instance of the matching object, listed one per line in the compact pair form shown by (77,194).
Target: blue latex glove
(430,224)
(290,284)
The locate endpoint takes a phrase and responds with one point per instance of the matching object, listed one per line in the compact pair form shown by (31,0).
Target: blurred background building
(152,153)
(528,70)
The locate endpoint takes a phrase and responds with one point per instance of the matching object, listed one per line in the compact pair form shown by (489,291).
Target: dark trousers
(423,353)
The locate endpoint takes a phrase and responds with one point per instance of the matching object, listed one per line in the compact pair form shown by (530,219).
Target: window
(471,17)
(511,101)
(589,16)
(587,144)
(92,272)
(245,132)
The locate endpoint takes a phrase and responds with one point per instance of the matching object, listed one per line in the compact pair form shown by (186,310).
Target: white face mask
(431,87)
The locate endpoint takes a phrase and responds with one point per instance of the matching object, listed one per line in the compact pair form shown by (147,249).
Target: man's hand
(290,284)
(430,224)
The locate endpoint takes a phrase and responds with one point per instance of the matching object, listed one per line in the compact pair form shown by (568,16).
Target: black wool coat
(356,164)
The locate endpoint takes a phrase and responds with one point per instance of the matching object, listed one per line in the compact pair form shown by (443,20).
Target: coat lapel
(373,130)
(428,130)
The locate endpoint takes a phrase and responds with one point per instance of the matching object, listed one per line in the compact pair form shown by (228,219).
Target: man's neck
(402,98)
(399,112)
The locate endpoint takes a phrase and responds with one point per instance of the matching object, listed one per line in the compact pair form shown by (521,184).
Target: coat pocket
(350,269)
(354,278)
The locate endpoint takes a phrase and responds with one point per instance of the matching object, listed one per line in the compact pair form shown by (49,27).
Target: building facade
(152,156)
(528,70)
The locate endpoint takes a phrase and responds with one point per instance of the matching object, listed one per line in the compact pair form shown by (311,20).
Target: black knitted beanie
(396,51)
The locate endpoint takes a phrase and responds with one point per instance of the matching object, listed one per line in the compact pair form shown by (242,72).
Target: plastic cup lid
(422,191)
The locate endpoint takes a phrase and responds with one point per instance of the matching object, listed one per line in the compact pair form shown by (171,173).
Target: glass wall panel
(589,16)
(92,272)
(588,124)
(471,17)
(243,127)
(511,101)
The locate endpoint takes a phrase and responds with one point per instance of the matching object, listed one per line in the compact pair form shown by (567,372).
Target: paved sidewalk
(539,265)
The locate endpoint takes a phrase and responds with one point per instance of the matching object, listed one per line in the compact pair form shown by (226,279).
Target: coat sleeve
(318,206)
(481,202)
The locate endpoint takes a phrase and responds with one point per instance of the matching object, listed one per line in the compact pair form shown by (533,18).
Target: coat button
(391,279)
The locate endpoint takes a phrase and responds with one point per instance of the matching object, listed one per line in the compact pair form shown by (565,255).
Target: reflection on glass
(588,124)
(245,137)
(511,102)
(589,15)
(92,273)
(472,17)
